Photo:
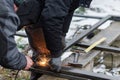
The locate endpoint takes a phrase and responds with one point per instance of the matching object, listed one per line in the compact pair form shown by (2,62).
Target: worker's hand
(55,64)
(29,63)
(15,8)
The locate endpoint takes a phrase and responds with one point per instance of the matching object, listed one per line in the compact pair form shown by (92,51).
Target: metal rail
(100,47)
(75,74)
(21,34)
(115,18)
(78,38)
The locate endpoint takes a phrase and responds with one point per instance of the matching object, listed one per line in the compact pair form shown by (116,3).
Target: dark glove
(55,64)
(55,61)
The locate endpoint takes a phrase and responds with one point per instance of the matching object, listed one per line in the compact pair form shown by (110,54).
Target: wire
(16,75)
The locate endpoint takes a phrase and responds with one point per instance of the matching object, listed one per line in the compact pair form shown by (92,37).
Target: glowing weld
(43,61)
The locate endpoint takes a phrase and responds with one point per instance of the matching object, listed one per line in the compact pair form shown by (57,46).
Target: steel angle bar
(78,38)
(87,16)
(76,74)
(100,47)
(60,75)
(90,75)
(115,18)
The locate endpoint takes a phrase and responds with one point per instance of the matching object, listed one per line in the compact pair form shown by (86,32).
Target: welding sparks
(43,61)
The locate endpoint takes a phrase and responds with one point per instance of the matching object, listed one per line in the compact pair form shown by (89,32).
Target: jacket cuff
(56,54)
(23,62)
(18,65)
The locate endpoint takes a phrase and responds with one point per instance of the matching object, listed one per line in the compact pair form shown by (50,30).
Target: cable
(16,75)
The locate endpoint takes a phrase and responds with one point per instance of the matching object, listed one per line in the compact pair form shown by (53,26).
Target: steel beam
(78,38)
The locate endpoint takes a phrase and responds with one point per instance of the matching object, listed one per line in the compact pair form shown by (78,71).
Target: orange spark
(43,61)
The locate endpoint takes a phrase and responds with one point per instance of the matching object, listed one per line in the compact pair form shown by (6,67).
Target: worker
(54,16)
(10,57)
(56,25)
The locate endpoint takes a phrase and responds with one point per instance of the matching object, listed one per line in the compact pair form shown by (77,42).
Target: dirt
(7,74)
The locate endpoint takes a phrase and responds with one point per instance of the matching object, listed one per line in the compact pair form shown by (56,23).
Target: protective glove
(55,61)
(55,64)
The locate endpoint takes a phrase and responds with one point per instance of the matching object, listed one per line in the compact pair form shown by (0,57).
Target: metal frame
(78,38)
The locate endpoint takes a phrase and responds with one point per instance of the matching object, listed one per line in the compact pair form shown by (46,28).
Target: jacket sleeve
(29,12)
(11,57)
(53,16)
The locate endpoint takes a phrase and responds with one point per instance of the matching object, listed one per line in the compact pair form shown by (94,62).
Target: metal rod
(115,18)
(87,16)
(21,34)
(78,38)
(100,47)
(61,75)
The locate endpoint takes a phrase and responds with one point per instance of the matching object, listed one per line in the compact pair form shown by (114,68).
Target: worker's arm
(56,17)
(10,57)
(53,16)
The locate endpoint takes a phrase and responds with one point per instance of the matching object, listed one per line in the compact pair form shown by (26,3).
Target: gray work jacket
(10,57)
